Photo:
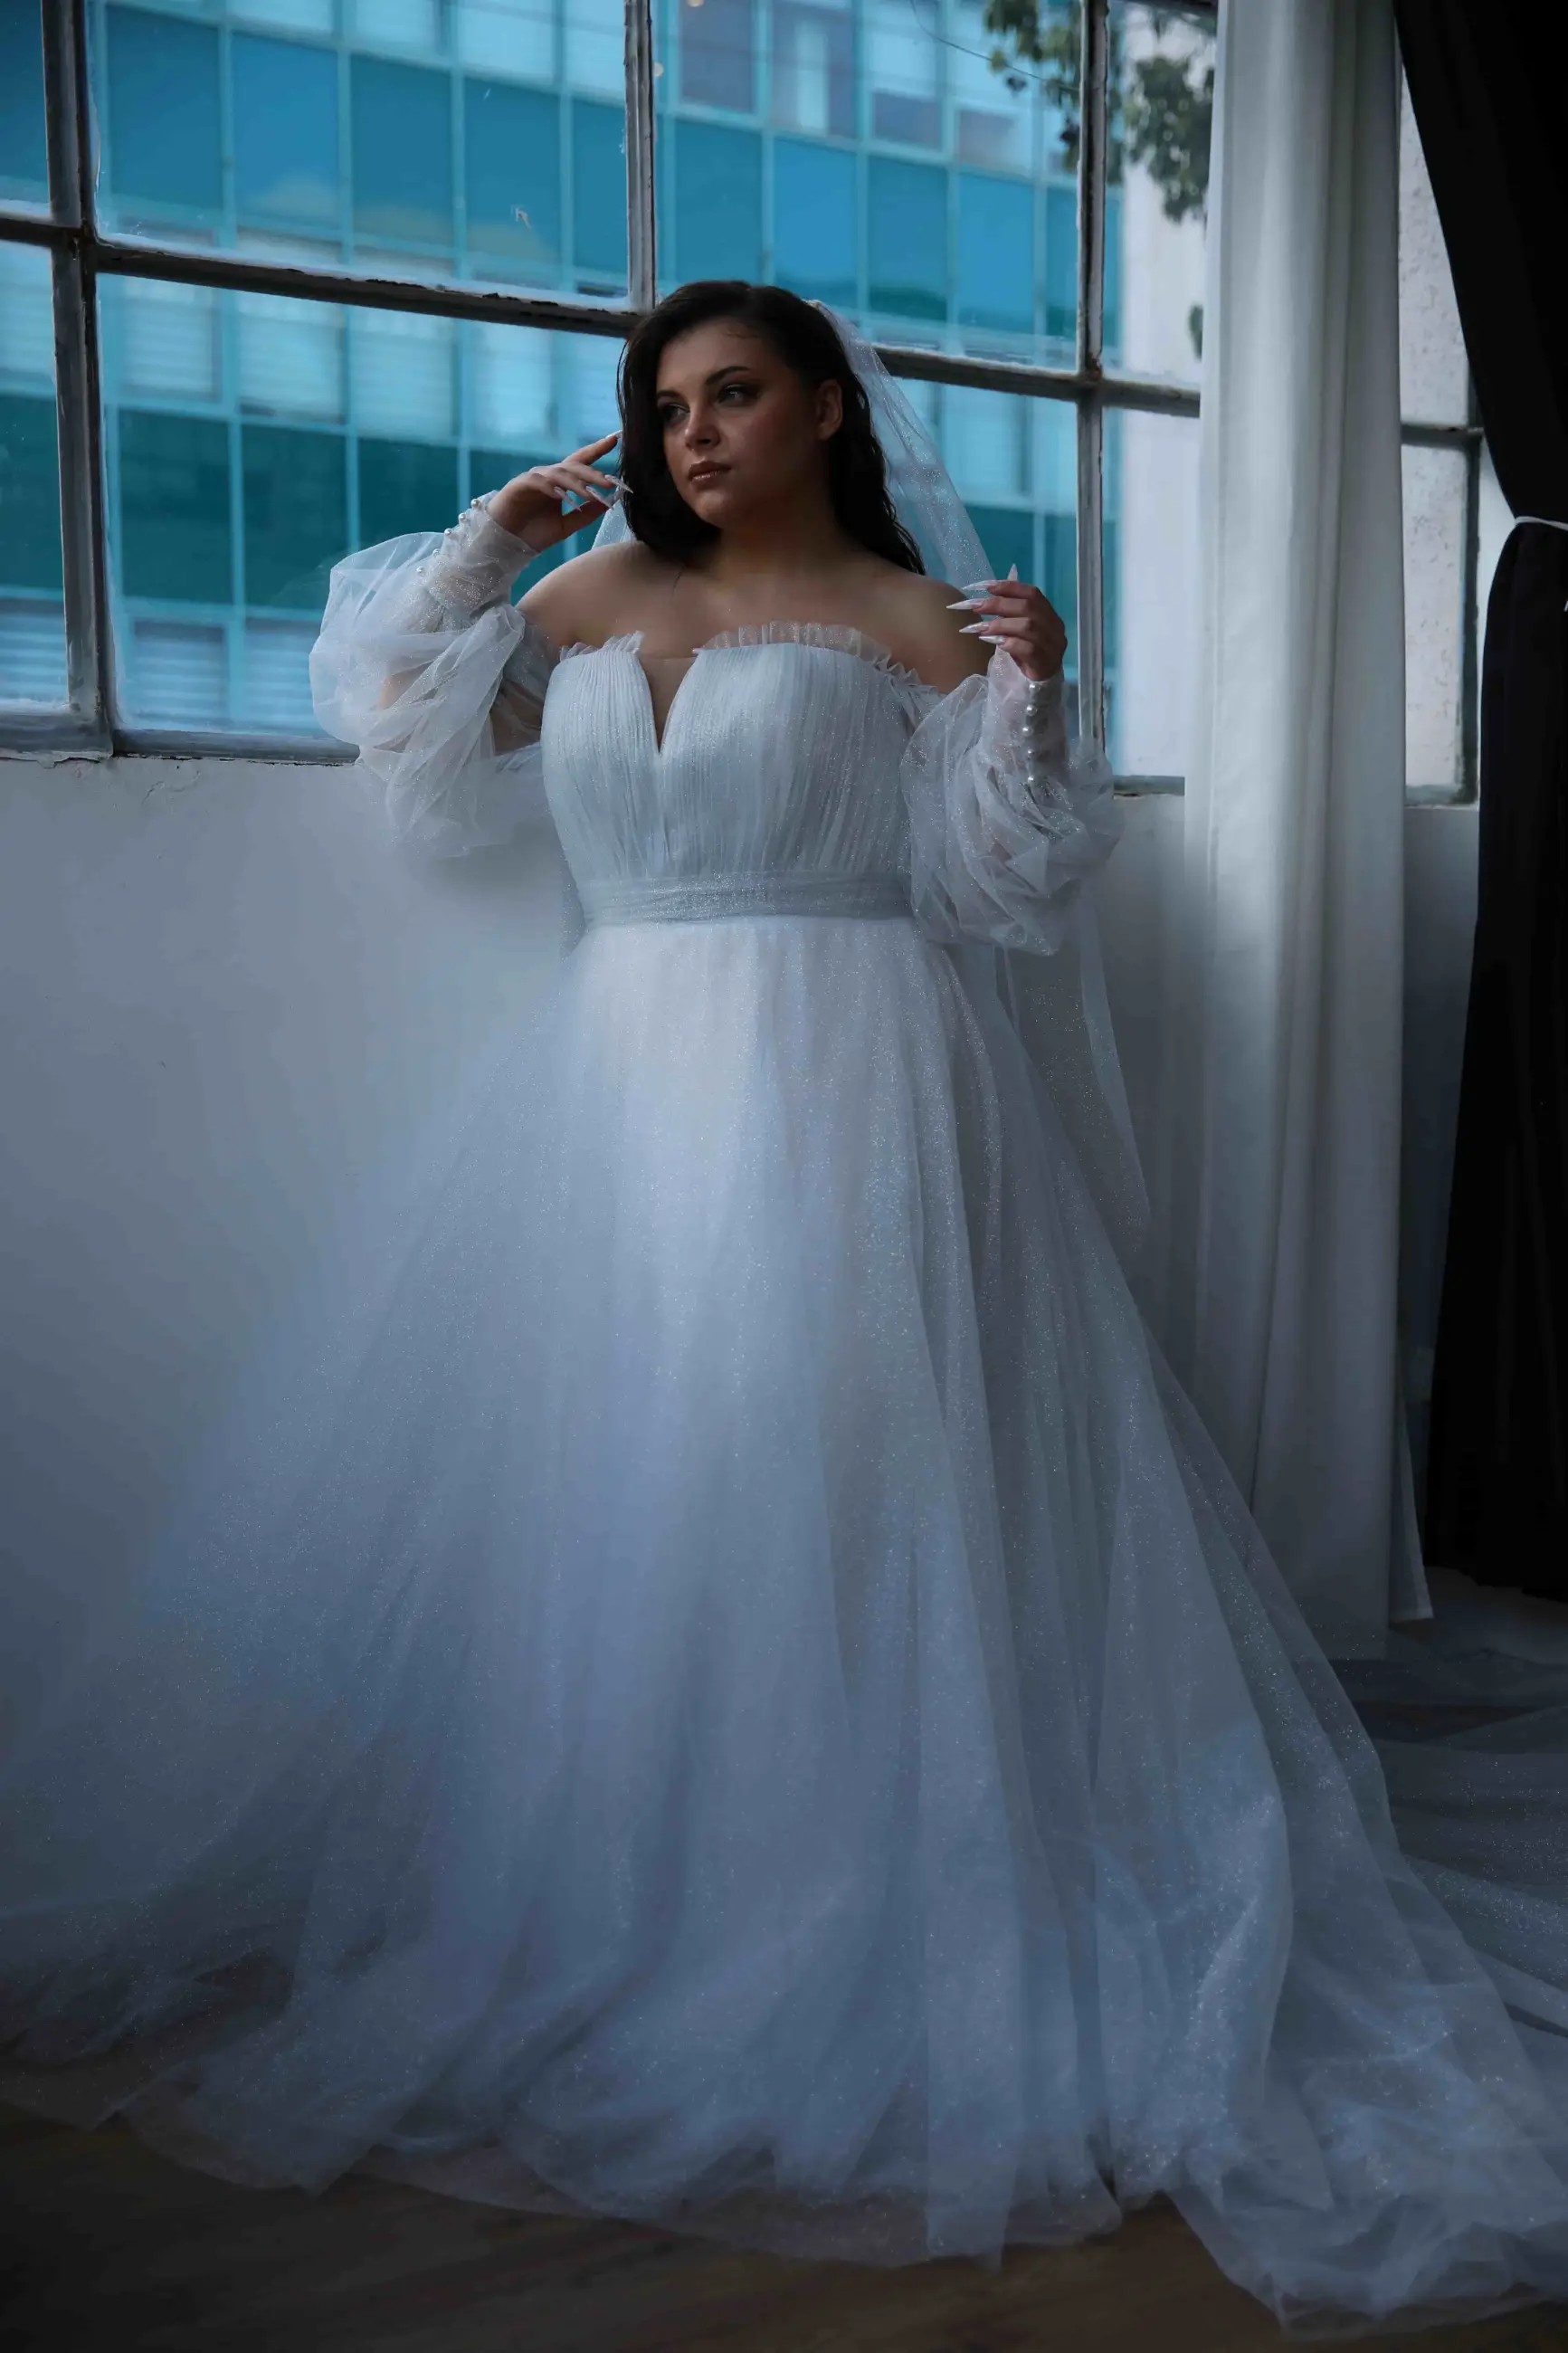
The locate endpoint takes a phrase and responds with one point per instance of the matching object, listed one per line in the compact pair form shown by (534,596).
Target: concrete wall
(226,994)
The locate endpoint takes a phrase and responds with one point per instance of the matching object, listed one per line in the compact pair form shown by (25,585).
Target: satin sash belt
(788,890)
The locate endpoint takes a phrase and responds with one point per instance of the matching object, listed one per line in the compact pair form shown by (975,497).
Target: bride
(707,1673)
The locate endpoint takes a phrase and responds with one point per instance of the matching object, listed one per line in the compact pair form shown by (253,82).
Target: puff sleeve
(423,662)
(1006,816)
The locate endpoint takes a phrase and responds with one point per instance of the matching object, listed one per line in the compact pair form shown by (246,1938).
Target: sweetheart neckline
(825,637)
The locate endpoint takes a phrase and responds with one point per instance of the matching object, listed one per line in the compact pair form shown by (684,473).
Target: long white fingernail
(966,604)
(1012,572)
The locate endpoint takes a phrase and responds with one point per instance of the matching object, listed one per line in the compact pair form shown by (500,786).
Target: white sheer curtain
(1276,1169)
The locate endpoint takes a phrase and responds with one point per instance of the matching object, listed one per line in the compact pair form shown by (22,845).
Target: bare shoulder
(917,627)
(590,597)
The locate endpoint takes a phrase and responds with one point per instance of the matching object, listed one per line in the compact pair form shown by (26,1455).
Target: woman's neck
(792,538)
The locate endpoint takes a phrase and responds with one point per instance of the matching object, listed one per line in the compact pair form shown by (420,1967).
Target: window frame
(82,253)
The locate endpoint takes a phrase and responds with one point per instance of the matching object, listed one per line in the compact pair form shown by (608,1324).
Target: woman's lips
(699,475)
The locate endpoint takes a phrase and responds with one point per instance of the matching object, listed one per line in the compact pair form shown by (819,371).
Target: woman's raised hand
(1016,615)
(532,506)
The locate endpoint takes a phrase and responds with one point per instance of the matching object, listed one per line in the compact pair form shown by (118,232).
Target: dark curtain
(1489,85)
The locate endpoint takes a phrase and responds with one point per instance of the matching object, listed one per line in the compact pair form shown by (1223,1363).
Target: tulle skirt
(706,1673)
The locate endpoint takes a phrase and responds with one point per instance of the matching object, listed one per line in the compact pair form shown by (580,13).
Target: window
(355,260)
(1454,516)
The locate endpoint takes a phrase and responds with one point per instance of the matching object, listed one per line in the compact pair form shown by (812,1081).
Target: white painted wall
(226,993)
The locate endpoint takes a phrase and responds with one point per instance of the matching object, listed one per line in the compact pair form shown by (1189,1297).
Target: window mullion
(78,382)
(1094,116)
(642,268)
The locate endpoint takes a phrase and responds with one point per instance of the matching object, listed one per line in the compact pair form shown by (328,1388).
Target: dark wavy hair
(807,340)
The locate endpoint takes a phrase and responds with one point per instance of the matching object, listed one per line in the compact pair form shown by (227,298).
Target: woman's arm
(1006,815)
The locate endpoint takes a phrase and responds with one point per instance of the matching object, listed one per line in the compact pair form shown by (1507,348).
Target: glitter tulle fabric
(707,1673)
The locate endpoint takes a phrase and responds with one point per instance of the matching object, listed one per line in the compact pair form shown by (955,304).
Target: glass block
(1162,63)
(1150,564)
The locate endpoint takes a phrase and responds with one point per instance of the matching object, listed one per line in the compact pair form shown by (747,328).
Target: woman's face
(741,428)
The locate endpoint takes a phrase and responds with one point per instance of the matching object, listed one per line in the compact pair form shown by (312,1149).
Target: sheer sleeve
(1006,818)
(426,664)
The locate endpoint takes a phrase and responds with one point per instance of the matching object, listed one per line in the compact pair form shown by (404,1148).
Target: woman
(714,1677)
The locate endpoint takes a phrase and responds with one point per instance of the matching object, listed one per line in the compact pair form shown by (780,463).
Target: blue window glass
(718,54)
(285,131)
(404,486)
(1058,576)
(23,168)
(995,253)
(814,222)
(512,162)
(175,538)
(598,197)
(1008,535)
(717,201)
(907,234)
(163,110)
(1061,264)
(402,152)
(296,516)
(29,494)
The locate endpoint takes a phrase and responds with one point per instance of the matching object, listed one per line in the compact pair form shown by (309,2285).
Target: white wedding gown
(707,1672)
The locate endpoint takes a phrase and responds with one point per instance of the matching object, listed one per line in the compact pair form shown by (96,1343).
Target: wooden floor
(106,2248)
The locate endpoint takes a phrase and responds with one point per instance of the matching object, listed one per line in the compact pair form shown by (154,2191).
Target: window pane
(717,201)
(1163,62)
(512,141)
(907,239)
(1434,481)
(317,430)
(402,153)
(296,514)
(1149,562)
(404,374)
(507,37)
(164,153)
(286,165)
(1434,379)
(173,541)
(968,237)
(813,77)
(32,630)
(995,252)
(598,197)
(1014,459)
(595,45)
(383,131)
(24,176)
(718,44)
(161,340)
(404,486)
(411,25)
(814,222)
